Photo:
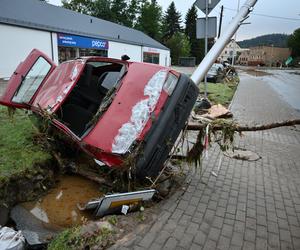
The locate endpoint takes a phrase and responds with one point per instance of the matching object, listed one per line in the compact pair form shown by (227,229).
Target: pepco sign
(99,44)
(81,42)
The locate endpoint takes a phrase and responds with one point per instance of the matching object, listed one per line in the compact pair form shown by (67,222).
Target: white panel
(116,50)
(211,27)
(16,43)
(164,55)
(55,48)
(164,58)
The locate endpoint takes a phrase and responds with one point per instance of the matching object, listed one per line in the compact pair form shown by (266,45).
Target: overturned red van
(107,106)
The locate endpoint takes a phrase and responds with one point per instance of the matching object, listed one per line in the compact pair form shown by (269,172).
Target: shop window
(92,52)
(151,57)
(66,54)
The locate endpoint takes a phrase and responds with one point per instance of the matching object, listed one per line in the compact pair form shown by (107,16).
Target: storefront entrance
(66,53)
(71,47)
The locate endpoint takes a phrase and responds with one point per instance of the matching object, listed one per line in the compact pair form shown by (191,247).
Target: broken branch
(239,128)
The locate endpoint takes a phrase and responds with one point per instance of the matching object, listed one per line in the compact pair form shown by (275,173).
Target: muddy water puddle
(59,207)
(256,73)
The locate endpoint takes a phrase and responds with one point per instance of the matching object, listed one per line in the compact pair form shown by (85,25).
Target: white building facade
(74,35)
(231,50)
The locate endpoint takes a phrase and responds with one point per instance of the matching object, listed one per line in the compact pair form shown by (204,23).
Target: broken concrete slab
(35,231)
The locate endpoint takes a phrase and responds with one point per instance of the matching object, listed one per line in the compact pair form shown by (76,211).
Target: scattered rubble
(214,112)
(33,229)
(242,154)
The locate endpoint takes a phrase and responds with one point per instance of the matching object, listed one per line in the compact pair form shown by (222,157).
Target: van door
(27,79)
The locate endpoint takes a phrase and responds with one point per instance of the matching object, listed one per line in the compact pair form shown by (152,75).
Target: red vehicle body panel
(58,85)
(119,112)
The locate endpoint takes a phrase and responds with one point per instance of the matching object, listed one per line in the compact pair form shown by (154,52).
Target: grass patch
(72,238)
(220,93)
(66,239)
(18,151)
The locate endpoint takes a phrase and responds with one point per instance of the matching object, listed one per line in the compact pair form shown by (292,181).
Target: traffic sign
(211,27)
(289,60)
(201,4)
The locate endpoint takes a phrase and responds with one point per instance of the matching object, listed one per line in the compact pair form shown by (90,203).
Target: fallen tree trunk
(239,128)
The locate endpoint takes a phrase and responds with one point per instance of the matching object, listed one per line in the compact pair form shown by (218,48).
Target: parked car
(216,73)
(108,107)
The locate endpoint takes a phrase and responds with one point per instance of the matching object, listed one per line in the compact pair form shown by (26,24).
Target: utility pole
(233,54)
(272,55)
(221,20)
(220,44)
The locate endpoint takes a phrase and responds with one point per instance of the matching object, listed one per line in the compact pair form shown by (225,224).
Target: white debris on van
(140,114)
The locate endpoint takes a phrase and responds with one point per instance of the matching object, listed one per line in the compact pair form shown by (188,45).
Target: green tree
(123,12)
(134,8)
(81,6)
(179,45)
(102,9)
(190,22)
(197,45)
(294,43)
(171,22)
(119,10)
(149,20)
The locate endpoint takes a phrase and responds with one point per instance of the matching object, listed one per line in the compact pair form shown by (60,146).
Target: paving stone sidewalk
(249,205)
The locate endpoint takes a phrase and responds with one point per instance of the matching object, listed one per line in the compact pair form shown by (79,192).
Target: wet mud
(59,207)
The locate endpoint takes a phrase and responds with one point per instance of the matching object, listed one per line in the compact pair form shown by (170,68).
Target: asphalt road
(286,84)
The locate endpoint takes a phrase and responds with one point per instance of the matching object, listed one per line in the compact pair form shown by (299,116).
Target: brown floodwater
(257,73)
(59,207)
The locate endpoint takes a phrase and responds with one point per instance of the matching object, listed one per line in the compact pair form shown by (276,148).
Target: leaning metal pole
(234,48)
(206,43)
(221,43)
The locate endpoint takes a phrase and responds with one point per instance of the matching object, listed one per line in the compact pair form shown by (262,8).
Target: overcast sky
(260,25)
